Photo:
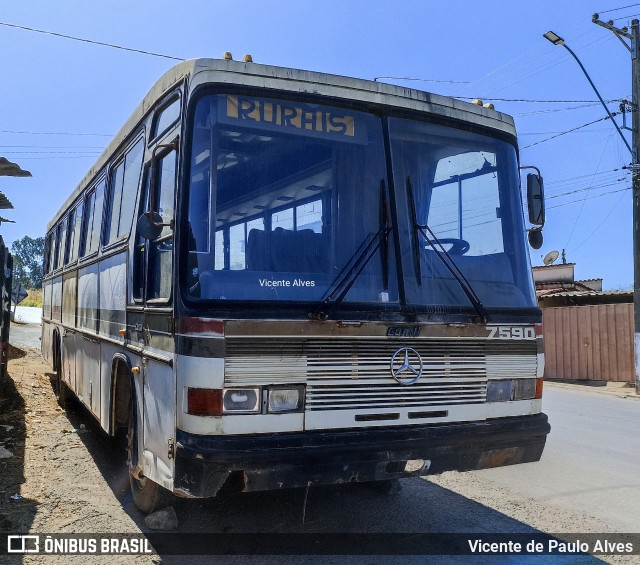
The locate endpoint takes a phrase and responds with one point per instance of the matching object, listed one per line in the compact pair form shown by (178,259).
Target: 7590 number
(511,332)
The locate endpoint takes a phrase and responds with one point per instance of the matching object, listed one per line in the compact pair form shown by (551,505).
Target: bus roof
(220,71)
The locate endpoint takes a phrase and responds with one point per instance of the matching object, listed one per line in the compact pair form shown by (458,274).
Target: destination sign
(292,117)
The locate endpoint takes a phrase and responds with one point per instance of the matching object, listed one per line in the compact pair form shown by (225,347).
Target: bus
(275,278)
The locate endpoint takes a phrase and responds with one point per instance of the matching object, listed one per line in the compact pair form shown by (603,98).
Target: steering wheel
(458,246)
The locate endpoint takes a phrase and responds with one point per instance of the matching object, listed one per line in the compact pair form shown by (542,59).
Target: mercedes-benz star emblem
(406,365)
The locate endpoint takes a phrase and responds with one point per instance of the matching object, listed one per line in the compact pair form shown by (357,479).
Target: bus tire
(148,496)
(59,386)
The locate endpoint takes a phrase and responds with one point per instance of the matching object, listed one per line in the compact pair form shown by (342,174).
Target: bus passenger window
(123,193)
(73,231)
(62,240)
(166,118)
(74,237)
(92,220)
(49,249)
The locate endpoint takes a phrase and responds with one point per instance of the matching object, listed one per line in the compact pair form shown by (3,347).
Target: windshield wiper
(342,284)
(443,255)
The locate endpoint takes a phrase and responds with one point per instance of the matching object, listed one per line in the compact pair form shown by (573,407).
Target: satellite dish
(550,257)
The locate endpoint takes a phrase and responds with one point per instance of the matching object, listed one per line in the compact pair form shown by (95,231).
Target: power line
(523,61)
(522,134)
(590,198)
(593,231)
(625,17)
(560,181)
(424,80)
(87,147)
(88,152)
(58,157)
(511,80)
(54,133)
(568,131)
(575,223)
(552,110)
(605,178)
(534,101)
(616,9)
(578,188)
(84,40)
(587,189)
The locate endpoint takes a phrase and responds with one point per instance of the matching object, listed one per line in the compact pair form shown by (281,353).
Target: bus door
(153,277)
(69,336)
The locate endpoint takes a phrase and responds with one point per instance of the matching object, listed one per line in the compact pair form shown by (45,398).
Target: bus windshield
(280,202)
(464,189)
(284,196)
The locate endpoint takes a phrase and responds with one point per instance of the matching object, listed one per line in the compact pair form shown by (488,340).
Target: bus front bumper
(206,464)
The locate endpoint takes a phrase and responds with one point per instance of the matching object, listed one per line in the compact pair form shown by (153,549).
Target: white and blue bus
(276,278)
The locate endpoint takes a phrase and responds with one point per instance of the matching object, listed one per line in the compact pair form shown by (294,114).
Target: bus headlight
(241,400)
(285,399)
(503,390)
(499,390)
(524,389)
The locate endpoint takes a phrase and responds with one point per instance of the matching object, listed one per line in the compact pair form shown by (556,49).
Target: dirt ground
(49,481)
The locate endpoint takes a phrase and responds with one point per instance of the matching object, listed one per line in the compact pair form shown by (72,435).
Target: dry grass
(33,299)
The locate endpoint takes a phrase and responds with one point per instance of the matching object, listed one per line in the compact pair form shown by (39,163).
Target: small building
(588,332)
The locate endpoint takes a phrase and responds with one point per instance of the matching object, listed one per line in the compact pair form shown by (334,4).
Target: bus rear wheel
(59,386)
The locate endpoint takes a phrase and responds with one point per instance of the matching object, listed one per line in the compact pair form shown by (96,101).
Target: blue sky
(70,97)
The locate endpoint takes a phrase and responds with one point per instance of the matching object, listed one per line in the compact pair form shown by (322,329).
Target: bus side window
(123,192)
(61,238)
(166,118)
(139,249)
(92,221)
(53,249)
(74,233)
(48,253)
(161,249)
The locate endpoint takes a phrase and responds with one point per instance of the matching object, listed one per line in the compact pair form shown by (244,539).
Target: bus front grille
(355,373)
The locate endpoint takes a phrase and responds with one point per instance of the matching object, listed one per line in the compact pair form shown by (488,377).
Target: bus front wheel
(148,496)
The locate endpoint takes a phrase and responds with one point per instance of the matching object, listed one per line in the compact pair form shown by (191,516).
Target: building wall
(589,342)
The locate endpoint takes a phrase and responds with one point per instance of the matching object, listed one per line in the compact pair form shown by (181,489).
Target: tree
(28,256)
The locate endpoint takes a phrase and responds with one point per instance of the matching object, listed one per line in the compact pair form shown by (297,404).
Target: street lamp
(557,40)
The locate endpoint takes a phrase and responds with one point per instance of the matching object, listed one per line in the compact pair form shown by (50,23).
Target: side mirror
(535,199)
(150,225)
(535,238)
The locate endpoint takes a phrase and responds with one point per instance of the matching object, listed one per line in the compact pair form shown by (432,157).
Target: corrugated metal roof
(9,169)
(559,292)
(4,202)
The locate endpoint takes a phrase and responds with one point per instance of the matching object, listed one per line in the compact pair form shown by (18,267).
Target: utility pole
(635,142)
(634,49)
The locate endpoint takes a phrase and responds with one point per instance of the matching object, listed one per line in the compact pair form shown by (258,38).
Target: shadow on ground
(417,507)
(16,513)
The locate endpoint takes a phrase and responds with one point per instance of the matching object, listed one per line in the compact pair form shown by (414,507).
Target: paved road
(591,462)
(25,330)
(25,335)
